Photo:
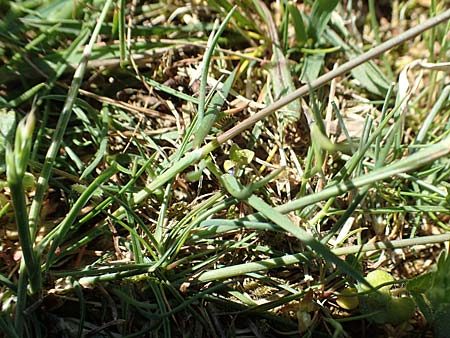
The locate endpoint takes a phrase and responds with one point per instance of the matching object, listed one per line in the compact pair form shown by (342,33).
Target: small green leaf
(241,156)
(195,175)
(348,299)
(420,284)
(377,278)
(228,165)
(29,181)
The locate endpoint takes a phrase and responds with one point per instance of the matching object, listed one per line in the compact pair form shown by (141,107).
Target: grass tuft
(223,168)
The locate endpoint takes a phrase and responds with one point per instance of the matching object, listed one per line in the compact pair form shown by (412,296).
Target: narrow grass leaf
(60,232)
(82,301)
(27,95)
(205,71)
(279,69)
(17,159)
(121,27)
(213,111)
(99,155)
(7,283)
(171,91)
(424,129)
(286,224)
(7,327)
(62,123)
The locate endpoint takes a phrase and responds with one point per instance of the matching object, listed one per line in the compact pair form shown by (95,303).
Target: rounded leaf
(400,310)
(377,278)
(348,299)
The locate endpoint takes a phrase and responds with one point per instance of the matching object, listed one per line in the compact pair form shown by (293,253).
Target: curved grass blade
(62,122)
(205,71)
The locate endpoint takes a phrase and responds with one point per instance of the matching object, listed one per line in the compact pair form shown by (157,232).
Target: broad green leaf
(311,67)
(371,78)
(377,278)
(320,15)
(57,10)
(299,25)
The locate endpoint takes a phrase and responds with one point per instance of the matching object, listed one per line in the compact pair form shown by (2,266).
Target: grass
(167,179)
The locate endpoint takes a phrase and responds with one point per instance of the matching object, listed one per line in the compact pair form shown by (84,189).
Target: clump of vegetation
(223,168)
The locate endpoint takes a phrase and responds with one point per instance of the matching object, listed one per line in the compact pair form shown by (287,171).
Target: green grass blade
(213,110)
(205,64)
(102,148)
(62,123)
(60,232)
(286,224)
(299,25)
(281,79)
(121,27)
(17,159)
(425,156)
(320,16)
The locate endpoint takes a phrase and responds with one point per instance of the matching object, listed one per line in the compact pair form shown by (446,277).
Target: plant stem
(263,265)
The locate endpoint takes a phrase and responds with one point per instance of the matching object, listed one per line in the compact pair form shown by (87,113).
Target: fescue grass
(171,181)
